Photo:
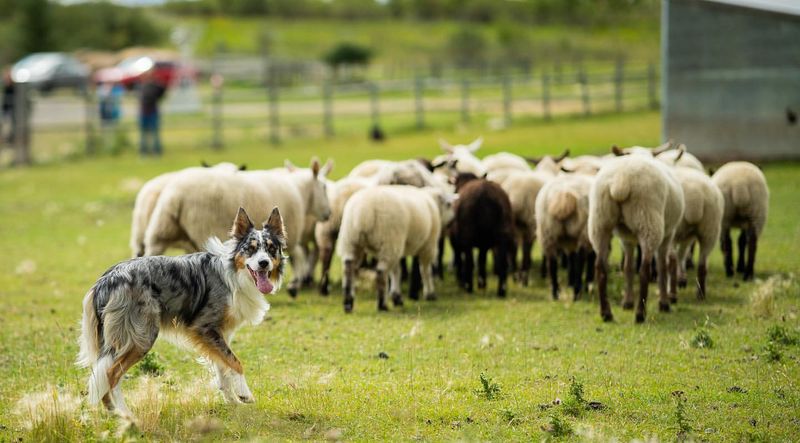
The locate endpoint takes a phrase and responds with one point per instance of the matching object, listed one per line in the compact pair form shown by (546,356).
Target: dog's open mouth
(261,280)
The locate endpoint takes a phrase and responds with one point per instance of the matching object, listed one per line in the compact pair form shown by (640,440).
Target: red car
(129,72)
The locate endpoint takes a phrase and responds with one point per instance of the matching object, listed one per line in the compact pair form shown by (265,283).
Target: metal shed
(731,77)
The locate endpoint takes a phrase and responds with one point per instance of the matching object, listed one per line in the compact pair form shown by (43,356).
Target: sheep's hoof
(413,295)
(682,283)
(397,299)
(501,292)
(627,305)
(481,283)
(729,272)
(747,276)
(348,304)
(292,291)
(673,299)
(307,281)
(640,317)
(555,294)
(324,290)
(607,317)
(701,295)
(382,307)
(664,306)
(431,297)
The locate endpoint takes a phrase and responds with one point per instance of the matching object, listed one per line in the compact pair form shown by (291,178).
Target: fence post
(465,100)
(546,96)
(651,85)
(507,99)
(327,107)
(274,122)
(21,125)
(90,115)
(419,89)
(587,110)
(618,82)
(216,110)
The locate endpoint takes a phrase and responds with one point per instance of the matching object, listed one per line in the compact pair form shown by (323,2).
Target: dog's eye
(272,249)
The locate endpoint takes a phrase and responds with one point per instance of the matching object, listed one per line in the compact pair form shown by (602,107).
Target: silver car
(46,71)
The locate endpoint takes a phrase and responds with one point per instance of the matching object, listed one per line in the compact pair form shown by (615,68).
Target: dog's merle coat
(201,298)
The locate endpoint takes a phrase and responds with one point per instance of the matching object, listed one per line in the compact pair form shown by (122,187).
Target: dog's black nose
(263,263)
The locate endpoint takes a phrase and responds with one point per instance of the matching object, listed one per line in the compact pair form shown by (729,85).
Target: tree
(348,54)
(34,25)
(467,47)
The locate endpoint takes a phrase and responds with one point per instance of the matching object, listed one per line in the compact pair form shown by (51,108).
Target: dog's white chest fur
(249,306)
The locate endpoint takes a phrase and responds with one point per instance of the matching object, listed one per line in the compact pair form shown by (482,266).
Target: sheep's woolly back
(746,194)
(522,188)
(368,168)
(504,160)
(562,205)
(390,222)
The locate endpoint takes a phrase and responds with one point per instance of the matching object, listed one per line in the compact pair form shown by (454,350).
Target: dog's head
(260,251)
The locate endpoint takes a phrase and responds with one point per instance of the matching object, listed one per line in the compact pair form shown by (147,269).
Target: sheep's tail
(89,340)
(620,188)
(741,196)
(89,354)
(562,205)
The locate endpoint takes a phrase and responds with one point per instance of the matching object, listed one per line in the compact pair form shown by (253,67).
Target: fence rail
(68,124)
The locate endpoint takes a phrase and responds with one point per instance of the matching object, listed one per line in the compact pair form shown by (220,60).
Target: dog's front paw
(241,389)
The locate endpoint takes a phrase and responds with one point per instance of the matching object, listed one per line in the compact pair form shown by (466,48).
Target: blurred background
(270,70)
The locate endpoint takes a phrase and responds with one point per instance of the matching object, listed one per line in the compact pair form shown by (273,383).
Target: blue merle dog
(200,299)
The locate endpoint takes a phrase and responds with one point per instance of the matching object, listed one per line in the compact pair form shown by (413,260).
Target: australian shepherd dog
(201,299)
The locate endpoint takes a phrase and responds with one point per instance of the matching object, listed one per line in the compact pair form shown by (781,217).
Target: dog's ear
(241,224)
(275,223)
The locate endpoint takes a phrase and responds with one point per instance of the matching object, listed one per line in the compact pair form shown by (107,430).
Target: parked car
(129,71)
(46,71)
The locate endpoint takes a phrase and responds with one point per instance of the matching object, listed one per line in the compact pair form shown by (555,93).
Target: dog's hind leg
(115,373)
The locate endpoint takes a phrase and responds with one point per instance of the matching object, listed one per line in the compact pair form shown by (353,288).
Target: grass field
(316,372)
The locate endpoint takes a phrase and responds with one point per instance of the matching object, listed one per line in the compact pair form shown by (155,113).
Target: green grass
(400,42)
(315,371)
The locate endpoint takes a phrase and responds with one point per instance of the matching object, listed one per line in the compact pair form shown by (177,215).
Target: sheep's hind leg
(601,272)
(415,279)
(628,264)
(741,266)
(752,244)
(552,264)
(644,282)
(394,285)
(727,251)
(380,286)
(482,268)
(348,282)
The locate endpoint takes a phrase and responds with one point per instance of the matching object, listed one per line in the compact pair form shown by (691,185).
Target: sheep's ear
(315,166)
(241,224)
(563,155)
(485,174)
(617,150)
(438,164)
(662,148)
(204,164)
(475,145)
(681,150)
(275,222)
(243,167)
(567,170)
(446,147)
(289,165)
(325,170)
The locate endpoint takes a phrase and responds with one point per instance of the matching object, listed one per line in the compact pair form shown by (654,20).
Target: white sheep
(463,157)
(326,233)
(307,239)
(562,214)
(679,157)
(392,222)
(582,164)
(522,188)
(195,207)
(702,216)
(548,164)
(148,195)
(746,194)
(638,198)
(369,168)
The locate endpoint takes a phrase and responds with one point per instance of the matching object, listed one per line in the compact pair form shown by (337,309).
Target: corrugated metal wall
(732,81)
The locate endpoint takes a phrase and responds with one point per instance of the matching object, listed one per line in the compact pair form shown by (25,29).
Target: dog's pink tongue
(263,283)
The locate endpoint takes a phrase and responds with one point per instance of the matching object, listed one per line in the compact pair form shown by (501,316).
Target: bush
(467,47)
(348,54)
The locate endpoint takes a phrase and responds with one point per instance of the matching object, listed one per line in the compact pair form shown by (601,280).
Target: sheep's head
(465,156)
(548,163)
(639,150)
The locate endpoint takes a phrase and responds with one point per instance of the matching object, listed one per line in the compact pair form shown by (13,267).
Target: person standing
(150,94)
(8,107)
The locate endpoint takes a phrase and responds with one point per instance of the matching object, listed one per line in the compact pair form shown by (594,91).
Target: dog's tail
(90,329)
(89,355)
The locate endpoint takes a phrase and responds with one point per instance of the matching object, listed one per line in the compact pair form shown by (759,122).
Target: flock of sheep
(659,201)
